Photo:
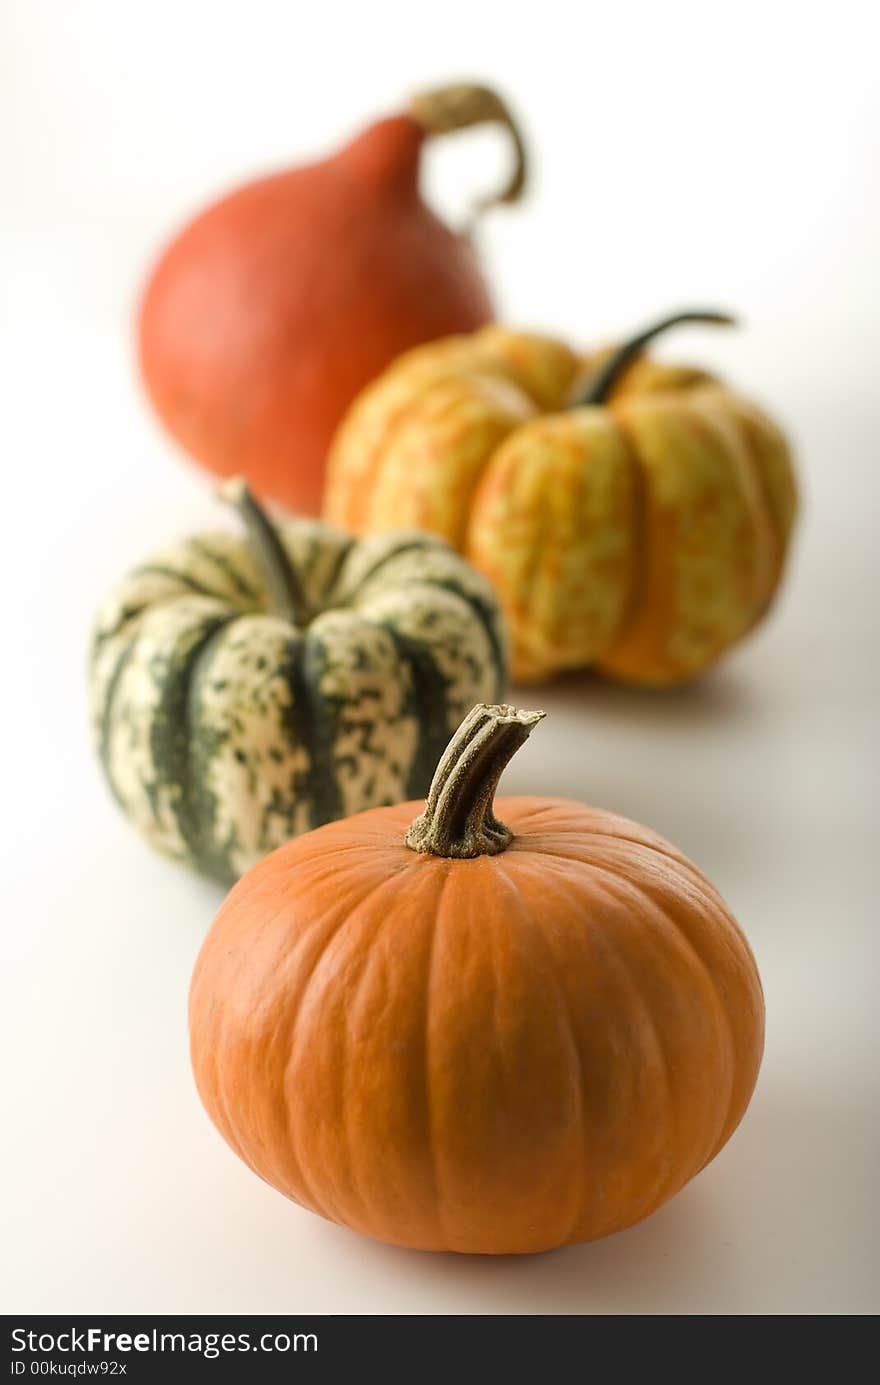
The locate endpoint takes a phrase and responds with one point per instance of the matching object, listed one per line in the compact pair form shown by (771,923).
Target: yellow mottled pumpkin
(632,515)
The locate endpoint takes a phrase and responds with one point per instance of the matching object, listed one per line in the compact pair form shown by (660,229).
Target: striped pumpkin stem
(610,371)
(285,591)
(458,820)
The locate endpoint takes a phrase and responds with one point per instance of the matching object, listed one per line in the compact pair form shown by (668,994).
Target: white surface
(686,158)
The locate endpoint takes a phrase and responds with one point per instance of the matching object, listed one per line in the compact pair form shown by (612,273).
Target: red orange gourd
(273,308)
(456,1030)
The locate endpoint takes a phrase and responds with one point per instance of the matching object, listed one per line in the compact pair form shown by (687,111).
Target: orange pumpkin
(267,313)
(474,1032)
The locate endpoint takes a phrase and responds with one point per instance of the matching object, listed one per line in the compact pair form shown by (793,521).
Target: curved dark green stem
(609,371)
(285,592)
(458,819)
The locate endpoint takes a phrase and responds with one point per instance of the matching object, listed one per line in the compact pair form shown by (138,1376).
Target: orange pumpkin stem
(285,591)
(611,369)
(465,104)
(458,819)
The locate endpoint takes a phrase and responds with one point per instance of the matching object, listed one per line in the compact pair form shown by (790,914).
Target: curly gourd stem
(458,819)
(610,370)
(465,104)
(285,592)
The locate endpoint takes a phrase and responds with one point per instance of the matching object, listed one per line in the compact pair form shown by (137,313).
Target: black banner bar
(148,1348)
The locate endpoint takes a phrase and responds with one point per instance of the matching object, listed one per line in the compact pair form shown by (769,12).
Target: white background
(685,154)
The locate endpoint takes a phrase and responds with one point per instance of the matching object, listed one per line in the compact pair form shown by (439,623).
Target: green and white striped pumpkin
(245,690)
